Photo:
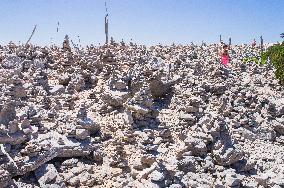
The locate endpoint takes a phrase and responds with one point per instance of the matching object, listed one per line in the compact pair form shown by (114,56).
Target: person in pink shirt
(224,54)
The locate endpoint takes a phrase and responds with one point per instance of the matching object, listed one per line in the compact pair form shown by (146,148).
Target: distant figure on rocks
(122,43)
(112,42)
(261,43)
(66,44)
(253,43)
(224,54)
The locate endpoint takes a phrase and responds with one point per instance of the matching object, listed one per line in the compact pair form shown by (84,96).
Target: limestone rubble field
(131,116)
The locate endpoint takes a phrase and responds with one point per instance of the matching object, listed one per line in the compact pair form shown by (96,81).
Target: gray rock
(175,186)
(115,98)
(48,176)
(158,88)
(64,80)
(196,146)
(82,134)
(156,176)
(228,156)
(57,89)
(186,117)
(7,113)
(278,125)
(5,178)
(14,138)
(187,164)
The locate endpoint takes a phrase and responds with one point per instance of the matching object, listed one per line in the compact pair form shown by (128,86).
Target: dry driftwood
(31,34)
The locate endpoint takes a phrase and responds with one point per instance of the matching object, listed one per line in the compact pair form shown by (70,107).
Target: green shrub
(250,59)
(275,54)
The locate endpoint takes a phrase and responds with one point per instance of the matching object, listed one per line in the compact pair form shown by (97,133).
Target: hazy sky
(145,21)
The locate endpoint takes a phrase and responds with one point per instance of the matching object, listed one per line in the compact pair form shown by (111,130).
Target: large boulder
(7,113)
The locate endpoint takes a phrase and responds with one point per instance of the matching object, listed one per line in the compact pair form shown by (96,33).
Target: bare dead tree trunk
(106,24)
(31,34)
(106,28)
(57,29)
(261,43)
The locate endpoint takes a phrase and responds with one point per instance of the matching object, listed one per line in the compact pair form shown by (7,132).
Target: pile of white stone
(135,116)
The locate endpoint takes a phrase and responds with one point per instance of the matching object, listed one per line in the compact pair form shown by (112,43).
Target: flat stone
(82,134)
(57,89)
(156,176)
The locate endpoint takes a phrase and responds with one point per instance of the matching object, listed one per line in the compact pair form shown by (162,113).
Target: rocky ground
(130,116)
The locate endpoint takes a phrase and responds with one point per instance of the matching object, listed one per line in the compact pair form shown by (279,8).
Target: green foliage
(275,54)
(282,35)
(250,59)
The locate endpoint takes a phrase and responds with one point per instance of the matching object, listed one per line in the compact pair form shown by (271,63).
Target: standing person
(253,43)
(224,55)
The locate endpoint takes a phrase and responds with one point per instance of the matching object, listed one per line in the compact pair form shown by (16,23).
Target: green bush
(250,59)
(275,54)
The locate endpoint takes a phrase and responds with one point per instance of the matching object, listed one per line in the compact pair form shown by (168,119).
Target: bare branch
(31,34)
